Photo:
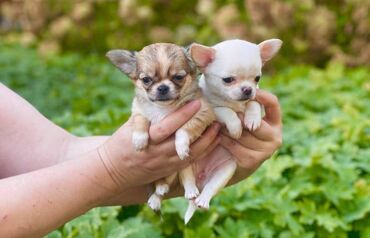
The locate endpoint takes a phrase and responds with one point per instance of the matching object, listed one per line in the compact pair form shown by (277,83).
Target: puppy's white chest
(238,106)
(156,114)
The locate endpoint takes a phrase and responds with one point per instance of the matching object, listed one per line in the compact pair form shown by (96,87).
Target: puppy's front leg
(192,130)
(187,134)
(252,116)
(140,134)
(231,120)
(187,179)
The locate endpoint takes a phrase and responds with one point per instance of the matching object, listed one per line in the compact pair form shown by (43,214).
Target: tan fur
(140,123)
(200,121)
(163,62)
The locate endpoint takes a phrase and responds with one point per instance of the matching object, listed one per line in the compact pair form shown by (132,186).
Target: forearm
(81,145)
(35,203)
(29,141)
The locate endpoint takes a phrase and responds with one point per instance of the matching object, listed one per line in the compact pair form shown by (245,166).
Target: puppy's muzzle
(163,93)
(246,93)
(163,89)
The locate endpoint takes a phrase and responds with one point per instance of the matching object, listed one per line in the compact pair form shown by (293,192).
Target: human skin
(249,151)
(50,176)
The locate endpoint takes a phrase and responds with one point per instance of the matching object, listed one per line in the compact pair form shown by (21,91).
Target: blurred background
(317,185)
(317,31)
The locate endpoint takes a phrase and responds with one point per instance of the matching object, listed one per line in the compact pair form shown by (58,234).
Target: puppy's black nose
(163,89)
(247,90)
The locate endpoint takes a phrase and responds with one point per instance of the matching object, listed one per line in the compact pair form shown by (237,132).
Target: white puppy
(231,72)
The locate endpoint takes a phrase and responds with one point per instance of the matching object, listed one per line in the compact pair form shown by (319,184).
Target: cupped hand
(130,168)
(253,148)
(250,150)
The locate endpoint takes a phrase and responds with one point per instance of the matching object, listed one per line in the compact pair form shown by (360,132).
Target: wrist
(76,146)
(115,171)
(100,187)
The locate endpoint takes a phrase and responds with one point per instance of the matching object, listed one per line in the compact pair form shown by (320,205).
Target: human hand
(250,151)
(253,148)
(129,168)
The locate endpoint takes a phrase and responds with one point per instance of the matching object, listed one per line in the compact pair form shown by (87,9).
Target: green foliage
(71,90)
(316,185)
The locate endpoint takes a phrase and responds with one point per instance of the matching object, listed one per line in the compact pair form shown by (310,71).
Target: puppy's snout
(163,89)
(247,90)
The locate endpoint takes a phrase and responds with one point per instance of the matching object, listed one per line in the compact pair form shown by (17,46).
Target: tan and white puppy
(165,79)
(231,72)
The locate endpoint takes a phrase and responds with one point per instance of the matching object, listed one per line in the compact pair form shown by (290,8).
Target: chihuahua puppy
(231,72)
(165,79)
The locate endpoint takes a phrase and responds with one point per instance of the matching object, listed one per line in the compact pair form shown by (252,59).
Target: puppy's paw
(162,189)
(202,202)
(182,143)
(140,140)
(252,121)
(235,129)
(191,191)
(154,202)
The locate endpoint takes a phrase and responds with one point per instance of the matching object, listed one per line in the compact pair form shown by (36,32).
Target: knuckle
(161,131)
(274,99)
(243,164)
(145,164)
(257,160)
(278,142)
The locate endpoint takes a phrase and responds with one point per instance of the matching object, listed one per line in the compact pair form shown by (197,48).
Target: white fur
(242,60)
(153,112)
(233,54)
(219,179)
(182,143)
(188,182)
(192,207)
(252,116)
(154,202)
(162,189)
(230,119)
(234,58)
(140,140)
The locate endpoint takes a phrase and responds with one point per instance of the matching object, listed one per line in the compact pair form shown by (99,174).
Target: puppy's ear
(269,48)
(202,55)
(125,60)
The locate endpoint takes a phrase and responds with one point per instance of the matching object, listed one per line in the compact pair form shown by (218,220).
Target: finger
(266,132)
(245,157)
(166,148)
(208,150)
(272,107)
(250,141)
(197,148)
(166,127)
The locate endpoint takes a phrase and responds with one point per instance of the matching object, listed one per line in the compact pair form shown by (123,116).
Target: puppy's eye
(228,79)
(147,80)
(178,77)
(257,79)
